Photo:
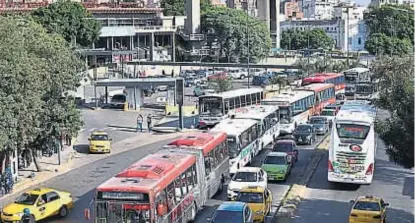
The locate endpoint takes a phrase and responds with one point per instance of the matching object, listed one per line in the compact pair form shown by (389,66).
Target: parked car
(118,100)
(304,134)
(235,212)
(277,165)
(320,123)
(288,146)
(219,76)
(245,177)
(99,142)
(192,81)
(238,74)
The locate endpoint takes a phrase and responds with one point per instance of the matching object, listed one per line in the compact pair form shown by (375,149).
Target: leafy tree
(221,85)
(69,19)
(36,69)
(323,64)
(391,30)
(397,96)
(177,7)
(280,81)
(230,29)
(380,43)
(295,39)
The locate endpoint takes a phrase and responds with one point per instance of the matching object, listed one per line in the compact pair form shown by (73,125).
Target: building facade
(292,10)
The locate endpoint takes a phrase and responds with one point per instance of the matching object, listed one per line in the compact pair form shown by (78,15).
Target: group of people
(140,121)
(7,181)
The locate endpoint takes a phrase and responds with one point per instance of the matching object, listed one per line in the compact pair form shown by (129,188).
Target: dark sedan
(320,124)
(287,146)
(304,134)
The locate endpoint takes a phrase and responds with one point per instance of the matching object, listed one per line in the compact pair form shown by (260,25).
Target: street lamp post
(247,32)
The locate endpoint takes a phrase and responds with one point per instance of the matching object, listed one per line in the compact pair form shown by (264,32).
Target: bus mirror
(87,214)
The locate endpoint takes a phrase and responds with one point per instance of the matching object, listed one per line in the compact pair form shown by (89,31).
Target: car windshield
(285,121)
(352,131)
(283,147)
(303,129)
(118,97)
(249,197)
(227,216)
(275,160)
(245,177)
(367,206)
(27,199)
(99,137)
(232,147)
(328,113)
(317,121)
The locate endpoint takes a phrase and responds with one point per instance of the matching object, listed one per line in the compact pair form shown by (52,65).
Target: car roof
(99,133)
(231,206)
(368,198)
(249,169)
(285,141)
(41,190)
(276,154)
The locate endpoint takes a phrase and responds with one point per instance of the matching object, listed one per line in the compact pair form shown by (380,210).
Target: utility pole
(247,32)
(347,30)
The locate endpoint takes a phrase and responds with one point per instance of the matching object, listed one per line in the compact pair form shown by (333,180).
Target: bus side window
(190,179)
(178,189)
(248,99)
(183,183)
(161,203)
(208,165)
(231,103)
(171,201)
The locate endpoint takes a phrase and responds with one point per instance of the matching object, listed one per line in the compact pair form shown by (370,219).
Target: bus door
(201,191)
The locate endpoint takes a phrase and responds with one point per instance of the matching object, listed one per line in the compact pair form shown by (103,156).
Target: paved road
(278,189)
(328,203)
(82,182)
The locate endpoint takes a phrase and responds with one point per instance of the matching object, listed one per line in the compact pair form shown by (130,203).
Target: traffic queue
(173,184)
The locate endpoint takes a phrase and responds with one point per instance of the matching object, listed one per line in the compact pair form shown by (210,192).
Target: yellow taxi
(258,199)
(99,142)
(41,202)
(368,209)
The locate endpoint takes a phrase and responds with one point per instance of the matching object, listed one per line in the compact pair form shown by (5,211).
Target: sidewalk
(71,159)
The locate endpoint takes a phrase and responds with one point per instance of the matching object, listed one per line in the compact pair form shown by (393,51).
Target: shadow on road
(81,148)
(336,211)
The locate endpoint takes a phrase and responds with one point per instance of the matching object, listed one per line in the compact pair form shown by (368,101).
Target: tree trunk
(37,165)
(3,161)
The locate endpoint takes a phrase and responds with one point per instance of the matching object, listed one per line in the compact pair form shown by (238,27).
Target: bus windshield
(365,89)
(350,78)
(352,131)
(211,106)
(285,113)
(233,147)
(328,113)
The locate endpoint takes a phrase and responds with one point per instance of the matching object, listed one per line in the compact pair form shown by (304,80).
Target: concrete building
(269,11)
(352,38)
(318,9)
(251,6)
(292,10)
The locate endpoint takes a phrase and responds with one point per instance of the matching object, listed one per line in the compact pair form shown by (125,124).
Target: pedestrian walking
(140,120)
(163,73)
(8,180)
(149,123)
(68,139)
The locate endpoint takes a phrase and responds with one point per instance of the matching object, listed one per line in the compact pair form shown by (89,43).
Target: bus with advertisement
(242,137)
(324,94)
(215,107)
(161,187)
(327,78)
(211,150)
(268,121)
(352,147)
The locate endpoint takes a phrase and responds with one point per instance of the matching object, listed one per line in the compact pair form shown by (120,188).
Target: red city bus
(211,149)
(327,78)
(324,94)
(158,188)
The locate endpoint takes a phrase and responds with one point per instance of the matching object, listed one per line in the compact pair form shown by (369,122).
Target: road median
(298,191)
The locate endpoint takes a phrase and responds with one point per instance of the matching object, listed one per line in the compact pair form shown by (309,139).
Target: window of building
(359,41)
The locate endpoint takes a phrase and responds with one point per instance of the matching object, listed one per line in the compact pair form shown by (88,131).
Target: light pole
(347,30)
(247,33)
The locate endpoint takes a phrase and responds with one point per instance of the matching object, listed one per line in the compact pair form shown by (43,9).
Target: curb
(46,175)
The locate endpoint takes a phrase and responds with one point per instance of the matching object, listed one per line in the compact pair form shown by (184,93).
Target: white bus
(367,90)
(352,147)
(215,107)
(268,121)
(354,76)
(242,141)
(294,107)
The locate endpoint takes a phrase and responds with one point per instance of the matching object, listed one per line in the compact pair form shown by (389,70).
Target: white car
(247,177)
(238,74)
(330,114)
(287,126)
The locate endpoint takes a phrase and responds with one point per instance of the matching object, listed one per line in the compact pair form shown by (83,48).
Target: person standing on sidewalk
(140,120)
(8,180)
(68,139)
(149,122)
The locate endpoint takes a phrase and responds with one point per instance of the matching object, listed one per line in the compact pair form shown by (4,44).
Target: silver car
(320,124)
